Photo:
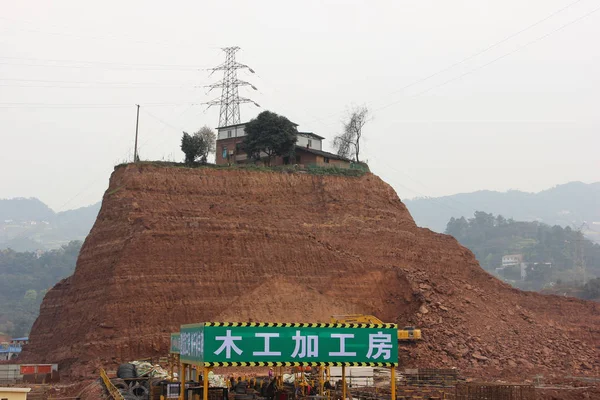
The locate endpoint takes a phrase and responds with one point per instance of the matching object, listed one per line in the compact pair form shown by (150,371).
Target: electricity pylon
(230,99)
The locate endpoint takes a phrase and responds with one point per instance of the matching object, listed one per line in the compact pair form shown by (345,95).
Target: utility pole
(137,122)
(230,100)
(579,252)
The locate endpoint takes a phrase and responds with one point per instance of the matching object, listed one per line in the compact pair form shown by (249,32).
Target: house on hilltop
(309,149)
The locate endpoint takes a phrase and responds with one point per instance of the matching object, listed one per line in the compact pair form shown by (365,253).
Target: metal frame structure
(185,365)
(230,99)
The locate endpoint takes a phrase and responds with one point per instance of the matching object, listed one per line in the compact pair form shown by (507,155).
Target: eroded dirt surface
(174,245)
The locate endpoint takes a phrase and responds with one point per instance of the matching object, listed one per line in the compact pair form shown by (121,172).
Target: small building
(12,349)
(512,260)
(9,352)
(309,149)
(20,341)
(14,393)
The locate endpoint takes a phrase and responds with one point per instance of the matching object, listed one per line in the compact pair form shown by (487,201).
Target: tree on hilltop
(347,144)
(210,139)
(198,145)
(270,135)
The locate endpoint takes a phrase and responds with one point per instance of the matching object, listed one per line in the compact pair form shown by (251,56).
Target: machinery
(408,333)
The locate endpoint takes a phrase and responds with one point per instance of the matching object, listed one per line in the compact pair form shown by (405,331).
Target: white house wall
(303,141)
(239,131)
(235,132)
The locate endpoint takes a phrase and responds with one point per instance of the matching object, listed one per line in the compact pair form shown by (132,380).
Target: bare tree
(347,144)
(209,137)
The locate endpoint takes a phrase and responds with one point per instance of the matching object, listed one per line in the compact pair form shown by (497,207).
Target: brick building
(309,149)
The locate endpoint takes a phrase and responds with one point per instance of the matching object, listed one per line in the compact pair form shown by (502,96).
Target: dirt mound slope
(175,245)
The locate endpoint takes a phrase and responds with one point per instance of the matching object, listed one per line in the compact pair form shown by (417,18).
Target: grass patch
(355,170)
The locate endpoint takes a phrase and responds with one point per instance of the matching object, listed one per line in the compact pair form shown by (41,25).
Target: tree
(198,145)
(209,138)
(347,144)
(270,135)
(591,290)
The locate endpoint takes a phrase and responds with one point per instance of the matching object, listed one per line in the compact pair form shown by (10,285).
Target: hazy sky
(522,115)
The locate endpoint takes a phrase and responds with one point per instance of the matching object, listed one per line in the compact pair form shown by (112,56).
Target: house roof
(240,124)
(232,126)
(322,153)
(10,349)
(311,135)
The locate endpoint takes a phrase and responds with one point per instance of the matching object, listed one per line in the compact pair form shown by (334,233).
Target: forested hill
(30,225)
(24,280)
(570,204)
(558,252)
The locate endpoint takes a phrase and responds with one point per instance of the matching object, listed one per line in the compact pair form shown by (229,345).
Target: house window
(326,160)
(309,143)
(224,155)
(228,134)
(297,159)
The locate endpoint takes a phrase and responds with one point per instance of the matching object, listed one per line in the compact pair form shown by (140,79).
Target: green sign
(175,342)
(192,344)
(215,344)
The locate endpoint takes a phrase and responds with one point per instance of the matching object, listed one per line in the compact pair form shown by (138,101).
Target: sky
(464,95)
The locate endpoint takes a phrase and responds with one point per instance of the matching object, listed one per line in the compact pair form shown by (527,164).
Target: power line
(106,63)
(540,38)
(95,87)
(488,48)
(89,82)
(119,37)
(485,50)
(165,126)
(129,67)
(74,106)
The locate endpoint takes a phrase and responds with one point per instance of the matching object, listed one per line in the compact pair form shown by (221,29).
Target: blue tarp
(10,349)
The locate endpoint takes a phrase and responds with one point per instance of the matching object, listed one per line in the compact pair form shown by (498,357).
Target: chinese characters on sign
(300,343)
(192,344)
(175,343)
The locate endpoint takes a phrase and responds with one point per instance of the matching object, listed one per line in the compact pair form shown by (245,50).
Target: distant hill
(564,205)
(550,253)
(24,280)
(30,225)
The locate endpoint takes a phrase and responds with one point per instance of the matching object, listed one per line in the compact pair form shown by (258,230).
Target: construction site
(174,246)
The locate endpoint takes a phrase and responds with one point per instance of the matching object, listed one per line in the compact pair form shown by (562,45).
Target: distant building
(512,260)
(20,341)
(12,349)
(309,149)
(9,352)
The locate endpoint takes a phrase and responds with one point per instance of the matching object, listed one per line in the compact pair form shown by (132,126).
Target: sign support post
(321,370)
(393,378)
(205,384)
(343,382)
(182,381)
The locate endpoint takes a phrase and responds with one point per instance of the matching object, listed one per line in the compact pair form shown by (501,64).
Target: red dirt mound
(174,245)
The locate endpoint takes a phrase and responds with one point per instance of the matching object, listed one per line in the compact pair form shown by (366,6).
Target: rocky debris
(176,245)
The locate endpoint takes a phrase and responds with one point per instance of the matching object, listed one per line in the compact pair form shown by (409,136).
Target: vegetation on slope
(24,280)
(490,237)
